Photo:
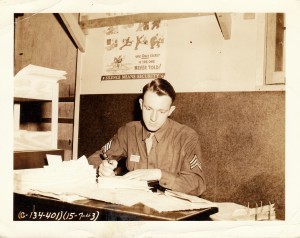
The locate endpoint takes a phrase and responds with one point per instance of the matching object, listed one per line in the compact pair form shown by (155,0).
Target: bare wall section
(242,136)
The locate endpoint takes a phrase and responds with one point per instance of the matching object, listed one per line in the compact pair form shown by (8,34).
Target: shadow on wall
(260,189)
(242,137)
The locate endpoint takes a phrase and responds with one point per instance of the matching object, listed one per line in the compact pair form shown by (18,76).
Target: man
(156,148)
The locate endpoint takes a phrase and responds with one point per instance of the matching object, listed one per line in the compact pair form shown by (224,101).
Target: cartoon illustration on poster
(135,51)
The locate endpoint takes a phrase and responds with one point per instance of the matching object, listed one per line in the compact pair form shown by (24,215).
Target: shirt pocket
(132,161)
(136,162)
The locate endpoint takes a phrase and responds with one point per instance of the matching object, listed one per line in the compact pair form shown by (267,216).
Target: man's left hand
(144,174)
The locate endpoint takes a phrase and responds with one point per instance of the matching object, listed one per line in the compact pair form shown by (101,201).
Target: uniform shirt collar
(159,133)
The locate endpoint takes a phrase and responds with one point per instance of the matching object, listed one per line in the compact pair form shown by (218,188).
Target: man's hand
(144,174)
(106,169)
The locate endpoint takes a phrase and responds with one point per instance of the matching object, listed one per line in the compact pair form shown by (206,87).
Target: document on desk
(187,197)
(118,182)
(85,188)
(73,180)
(129,197)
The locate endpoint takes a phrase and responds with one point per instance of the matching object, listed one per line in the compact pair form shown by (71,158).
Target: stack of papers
(118,182)
(37,72)
(72,180)
(32,140)
(58,177)
(36,82)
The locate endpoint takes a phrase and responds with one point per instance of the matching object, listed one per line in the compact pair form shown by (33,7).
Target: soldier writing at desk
(156,148)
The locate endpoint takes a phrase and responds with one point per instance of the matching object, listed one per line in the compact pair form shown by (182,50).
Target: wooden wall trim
(224,20)
(135,18)
(74,30)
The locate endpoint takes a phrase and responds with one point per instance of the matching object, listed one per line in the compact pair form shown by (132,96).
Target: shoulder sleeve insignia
(195,163)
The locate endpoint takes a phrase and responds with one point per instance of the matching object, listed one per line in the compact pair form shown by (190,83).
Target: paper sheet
(118,182)
(33,70)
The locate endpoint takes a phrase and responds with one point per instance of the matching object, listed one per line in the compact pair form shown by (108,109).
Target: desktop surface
(40,208)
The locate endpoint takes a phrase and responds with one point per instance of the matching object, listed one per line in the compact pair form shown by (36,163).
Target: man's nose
(153,116)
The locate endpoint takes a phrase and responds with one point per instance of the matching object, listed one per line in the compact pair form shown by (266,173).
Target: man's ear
(141,103)
(172,109)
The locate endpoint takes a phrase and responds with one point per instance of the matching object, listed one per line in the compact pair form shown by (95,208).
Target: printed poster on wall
(135,51)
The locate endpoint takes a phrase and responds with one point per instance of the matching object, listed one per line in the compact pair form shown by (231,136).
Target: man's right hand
(106,169)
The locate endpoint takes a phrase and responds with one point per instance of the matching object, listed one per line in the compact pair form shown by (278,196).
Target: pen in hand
(97,173)
(104,157)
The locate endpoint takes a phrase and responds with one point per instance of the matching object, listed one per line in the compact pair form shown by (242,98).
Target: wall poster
(135,51)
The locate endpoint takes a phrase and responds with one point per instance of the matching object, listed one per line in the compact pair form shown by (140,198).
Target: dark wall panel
(242,136)
(100,117)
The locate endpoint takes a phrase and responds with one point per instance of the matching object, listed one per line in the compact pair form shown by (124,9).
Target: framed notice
(135,51)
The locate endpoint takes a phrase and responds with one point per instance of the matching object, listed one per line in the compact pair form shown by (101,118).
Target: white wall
(198,58)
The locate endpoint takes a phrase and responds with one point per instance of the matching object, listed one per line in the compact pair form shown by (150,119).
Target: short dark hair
(161,87)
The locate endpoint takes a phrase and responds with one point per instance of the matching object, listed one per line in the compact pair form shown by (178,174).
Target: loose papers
(36,82)
(78,178)
(32,71)
(118,182)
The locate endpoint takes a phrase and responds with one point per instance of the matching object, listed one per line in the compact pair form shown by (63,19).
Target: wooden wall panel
(65,138)
(100,116)
(243,144)
(242,136)
(40,39)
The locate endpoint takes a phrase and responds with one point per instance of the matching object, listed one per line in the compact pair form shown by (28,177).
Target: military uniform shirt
(175,151)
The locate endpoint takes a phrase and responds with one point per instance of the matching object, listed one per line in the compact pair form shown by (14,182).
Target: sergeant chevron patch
(106,147)
(195,162)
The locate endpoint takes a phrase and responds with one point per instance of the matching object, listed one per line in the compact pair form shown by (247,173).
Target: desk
(33,159)
(38,208)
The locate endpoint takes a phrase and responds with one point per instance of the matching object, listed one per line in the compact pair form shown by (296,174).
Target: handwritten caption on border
(58,216)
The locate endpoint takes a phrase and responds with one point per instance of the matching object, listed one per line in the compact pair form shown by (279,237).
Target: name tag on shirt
(135,158)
